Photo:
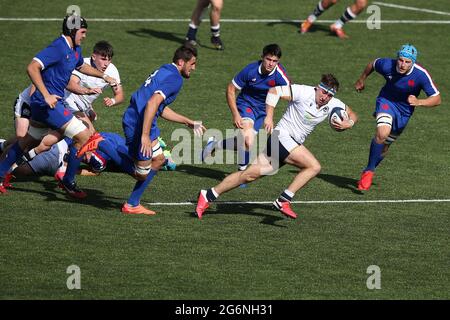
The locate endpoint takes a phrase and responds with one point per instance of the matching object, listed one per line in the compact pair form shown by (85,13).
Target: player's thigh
(49,140)
(86,121)
(301,157)
(22,125)
(143,164)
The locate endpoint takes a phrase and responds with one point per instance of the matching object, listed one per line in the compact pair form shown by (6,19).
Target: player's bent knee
(141,172)
(158,162)
(316,168)
(250,177)
(74,127)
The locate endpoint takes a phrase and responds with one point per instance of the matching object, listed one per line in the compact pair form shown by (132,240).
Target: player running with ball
(308,106)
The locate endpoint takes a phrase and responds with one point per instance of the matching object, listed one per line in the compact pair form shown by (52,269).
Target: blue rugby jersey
(398,87)
(254,85)
(58,60)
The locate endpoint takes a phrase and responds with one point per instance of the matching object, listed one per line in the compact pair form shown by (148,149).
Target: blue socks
(73,163)
(375,157)
(139,189)
(14,154)
(243,159)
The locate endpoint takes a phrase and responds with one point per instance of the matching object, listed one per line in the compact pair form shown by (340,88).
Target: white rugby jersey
(302,114)
(84,102)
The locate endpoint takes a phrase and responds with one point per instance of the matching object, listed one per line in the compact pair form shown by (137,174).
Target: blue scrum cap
(408,51)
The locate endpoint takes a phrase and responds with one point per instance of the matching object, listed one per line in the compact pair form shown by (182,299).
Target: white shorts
(22,107)
(75,106)
(286,140)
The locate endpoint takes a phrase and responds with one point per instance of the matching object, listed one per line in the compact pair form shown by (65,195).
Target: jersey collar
(260,71)
(409,72)
(68,44)
(92,63)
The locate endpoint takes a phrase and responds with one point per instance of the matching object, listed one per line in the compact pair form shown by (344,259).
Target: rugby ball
(337,115)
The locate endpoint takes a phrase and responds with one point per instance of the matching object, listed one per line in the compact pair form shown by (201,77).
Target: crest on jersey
(26,112)
(325,109)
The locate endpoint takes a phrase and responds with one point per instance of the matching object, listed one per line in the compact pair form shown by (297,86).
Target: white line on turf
(229,20)
(391,5)
(305,202)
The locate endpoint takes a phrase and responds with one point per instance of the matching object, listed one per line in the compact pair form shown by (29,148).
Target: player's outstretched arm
(169,114)
(75,87)
(360,83)
(93,72)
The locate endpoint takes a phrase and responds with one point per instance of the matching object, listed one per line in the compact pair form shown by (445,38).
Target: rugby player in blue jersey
(50,71)
(395,104)
(249,108)
(144,154)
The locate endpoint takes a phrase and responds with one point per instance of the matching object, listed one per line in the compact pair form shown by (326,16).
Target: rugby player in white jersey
(22,114)
(308,106)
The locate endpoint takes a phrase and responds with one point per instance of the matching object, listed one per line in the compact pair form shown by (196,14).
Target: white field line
(230,20)
(391,5)
(304,202)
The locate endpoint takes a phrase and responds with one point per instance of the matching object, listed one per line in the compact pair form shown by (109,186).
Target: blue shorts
(132,128)
(46,163)
(255,114)
(399,120)
(54,118)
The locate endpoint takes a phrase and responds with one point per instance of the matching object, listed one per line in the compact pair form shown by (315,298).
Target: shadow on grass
(314,28)
(95,198)
(251,209)
(169,36)
(151,33)
(202,172)
(341,182)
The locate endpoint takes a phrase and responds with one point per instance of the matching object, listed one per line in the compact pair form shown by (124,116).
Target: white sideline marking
(230,20)
(303,202)
(391,5)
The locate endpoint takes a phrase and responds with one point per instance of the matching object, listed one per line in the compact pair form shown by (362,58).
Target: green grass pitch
(242,251)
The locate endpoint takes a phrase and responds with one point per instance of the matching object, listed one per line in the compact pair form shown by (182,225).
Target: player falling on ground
(308,106)
(139,123)
(337,27)
(52,162)
(50,71)
(249,108)
(395,104)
